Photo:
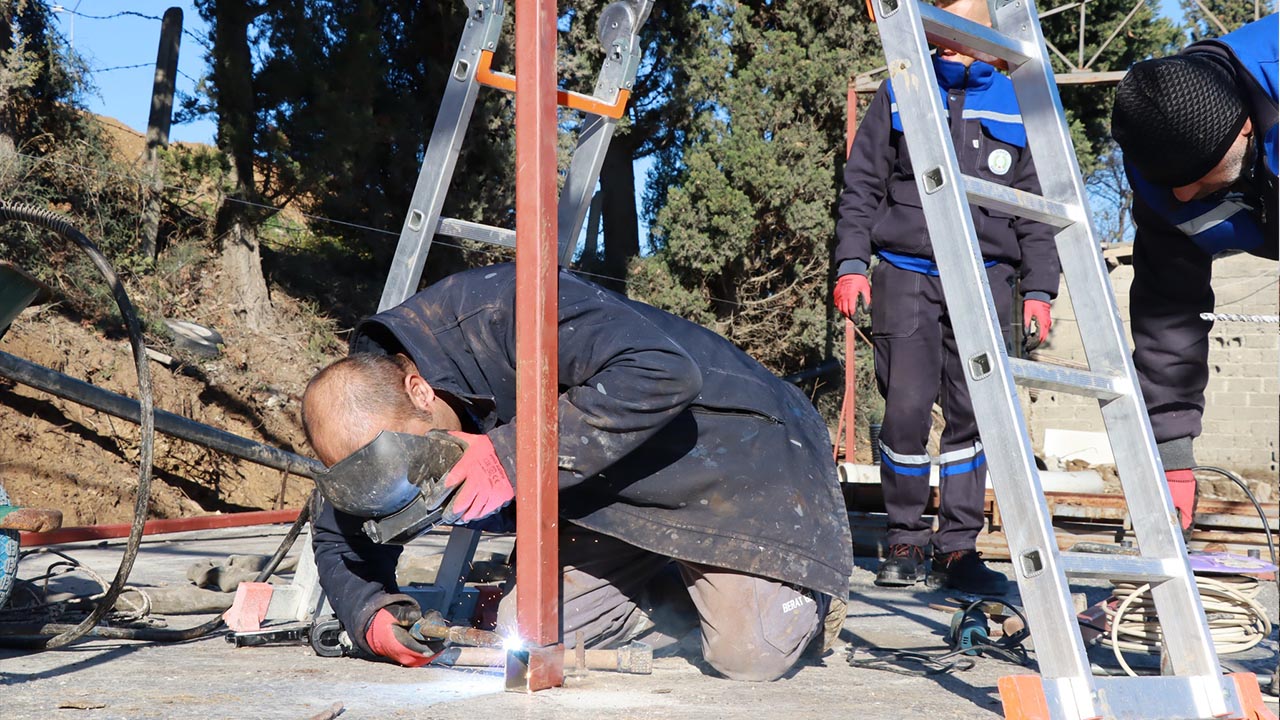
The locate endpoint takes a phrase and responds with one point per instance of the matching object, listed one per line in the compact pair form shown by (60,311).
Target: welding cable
(31,635)
(63,226)
(1237,621)
(1257,506)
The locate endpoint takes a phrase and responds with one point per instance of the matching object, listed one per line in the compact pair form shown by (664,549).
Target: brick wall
(1242,412)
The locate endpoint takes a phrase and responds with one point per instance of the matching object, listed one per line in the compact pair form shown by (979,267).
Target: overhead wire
(324,219)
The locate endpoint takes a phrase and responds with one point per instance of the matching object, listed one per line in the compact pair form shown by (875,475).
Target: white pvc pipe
(1079,481)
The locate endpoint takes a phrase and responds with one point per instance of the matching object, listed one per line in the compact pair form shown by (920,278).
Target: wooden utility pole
(158,123)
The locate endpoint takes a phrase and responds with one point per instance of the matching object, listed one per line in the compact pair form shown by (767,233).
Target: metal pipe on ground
(635,658)
(126,408)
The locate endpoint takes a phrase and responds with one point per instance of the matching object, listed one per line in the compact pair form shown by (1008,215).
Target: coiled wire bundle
(1237,621)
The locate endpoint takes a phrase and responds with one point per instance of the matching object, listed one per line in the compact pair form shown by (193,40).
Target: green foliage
(53,154)
(742,214)
(1089,106)
(1232,14)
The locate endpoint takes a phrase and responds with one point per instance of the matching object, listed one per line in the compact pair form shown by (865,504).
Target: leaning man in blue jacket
(916,360)
(690,476)
(1198,132)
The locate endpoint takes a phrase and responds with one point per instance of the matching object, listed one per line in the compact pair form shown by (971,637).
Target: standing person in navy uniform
(1198,131)
(915,349)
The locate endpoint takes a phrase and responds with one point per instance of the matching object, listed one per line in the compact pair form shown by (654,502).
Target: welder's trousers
(753,628)
(917,363)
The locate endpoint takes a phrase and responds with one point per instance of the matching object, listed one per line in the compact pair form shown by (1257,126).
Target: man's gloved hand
(848,289)
(485,487)
(1036,321)
(1182,486)
(388,635)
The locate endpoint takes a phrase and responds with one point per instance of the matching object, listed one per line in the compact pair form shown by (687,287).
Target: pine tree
(743,213)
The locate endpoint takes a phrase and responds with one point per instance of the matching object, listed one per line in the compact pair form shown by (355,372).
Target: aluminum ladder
(1192,685)
(618,30)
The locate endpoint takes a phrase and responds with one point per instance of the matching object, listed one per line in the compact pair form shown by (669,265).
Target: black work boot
(965,571)
(903,567)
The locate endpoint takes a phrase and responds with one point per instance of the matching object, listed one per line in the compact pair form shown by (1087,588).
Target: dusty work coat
(671,439)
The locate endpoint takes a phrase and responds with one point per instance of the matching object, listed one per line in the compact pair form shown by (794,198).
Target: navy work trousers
(916,364)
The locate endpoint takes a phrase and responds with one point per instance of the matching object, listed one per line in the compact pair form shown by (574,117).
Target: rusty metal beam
(537,500)
(850,407)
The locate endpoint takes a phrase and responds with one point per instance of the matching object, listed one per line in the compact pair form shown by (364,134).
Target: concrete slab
(211,679)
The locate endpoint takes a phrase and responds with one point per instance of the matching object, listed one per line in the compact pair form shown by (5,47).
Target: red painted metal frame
(158,527)
(537,432)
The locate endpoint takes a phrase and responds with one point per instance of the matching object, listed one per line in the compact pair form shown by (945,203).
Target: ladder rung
(476,231)
(1022,204)
(1118,567)
(952,31)
(1046,376)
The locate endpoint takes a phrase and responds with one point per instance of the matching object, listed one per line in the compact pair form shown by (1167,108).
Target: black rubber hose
(1266,524)
(63,226)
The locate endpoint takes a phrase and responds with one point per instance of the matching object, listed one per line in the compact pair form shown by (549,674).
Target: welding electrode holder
(396,482)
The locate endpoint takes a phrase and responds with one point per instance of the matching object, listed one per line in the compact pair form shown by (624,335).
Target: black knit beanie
(1176,117)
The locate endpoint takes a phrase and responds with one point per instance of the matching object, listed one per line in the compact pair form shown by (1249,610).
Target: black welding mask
(396,483)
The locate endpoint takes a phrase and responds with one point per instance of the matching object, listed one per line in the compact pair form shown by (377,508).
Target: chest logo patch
(1000,161)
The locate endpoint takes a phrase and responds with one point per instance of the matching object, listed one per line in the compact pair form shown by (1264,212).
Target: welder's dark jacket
(1175,244)
(880,208)
(671,438)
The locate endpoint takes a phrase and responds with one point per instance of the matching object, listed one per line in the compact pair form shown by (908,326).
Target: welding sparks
(512,643)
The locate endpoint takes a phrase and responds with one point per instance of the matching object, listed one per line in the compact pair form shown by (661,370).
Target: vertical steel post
(850,335)
(537,506)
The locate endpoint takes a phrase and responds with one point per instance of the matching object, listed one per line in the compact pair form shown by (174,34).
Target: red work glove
(848,289)
(388,636)
(1182,486)
(1036,322)
(485,488)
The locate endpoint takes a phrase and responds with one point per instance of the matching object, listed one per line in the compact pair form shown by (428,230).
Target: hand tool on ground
(635,658)
(433,627)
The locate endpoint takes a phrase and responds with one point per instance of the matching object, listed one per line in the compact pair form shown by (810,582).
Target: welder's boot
(965,571)
(902,568)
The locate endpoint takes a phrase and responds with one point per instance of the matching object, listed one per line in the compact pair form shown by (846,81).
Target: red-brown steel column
(537,493)
(850,338)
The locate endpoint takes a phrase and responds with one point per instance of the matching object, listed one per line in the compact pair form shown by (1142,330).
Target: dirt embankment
(55,453)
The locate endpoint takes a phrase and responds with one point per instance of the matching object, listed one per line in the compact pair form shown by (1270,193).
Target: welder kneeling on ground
(694,484)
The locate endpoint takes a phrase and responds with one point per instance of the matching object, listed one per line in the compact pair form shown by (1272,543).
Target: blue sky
(115,46)
(119,41)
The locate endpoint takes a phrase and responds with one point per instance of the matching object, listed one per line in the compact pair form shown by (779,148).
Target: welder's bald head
(349,402)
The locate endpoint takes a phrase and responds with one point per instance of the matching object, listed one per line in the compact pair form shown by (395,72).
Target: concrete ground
(211,679)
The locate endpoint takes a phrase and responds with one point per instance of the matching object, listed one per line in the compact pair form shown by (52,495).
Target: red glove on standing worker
(1036,322)
(388,635)
(848,289)
(485,487)
(1182,486)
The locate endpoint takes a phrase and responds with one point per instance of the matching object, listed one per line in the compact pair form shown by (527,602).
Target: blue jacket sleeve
(357,574)
(871,160)
(1171,287)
